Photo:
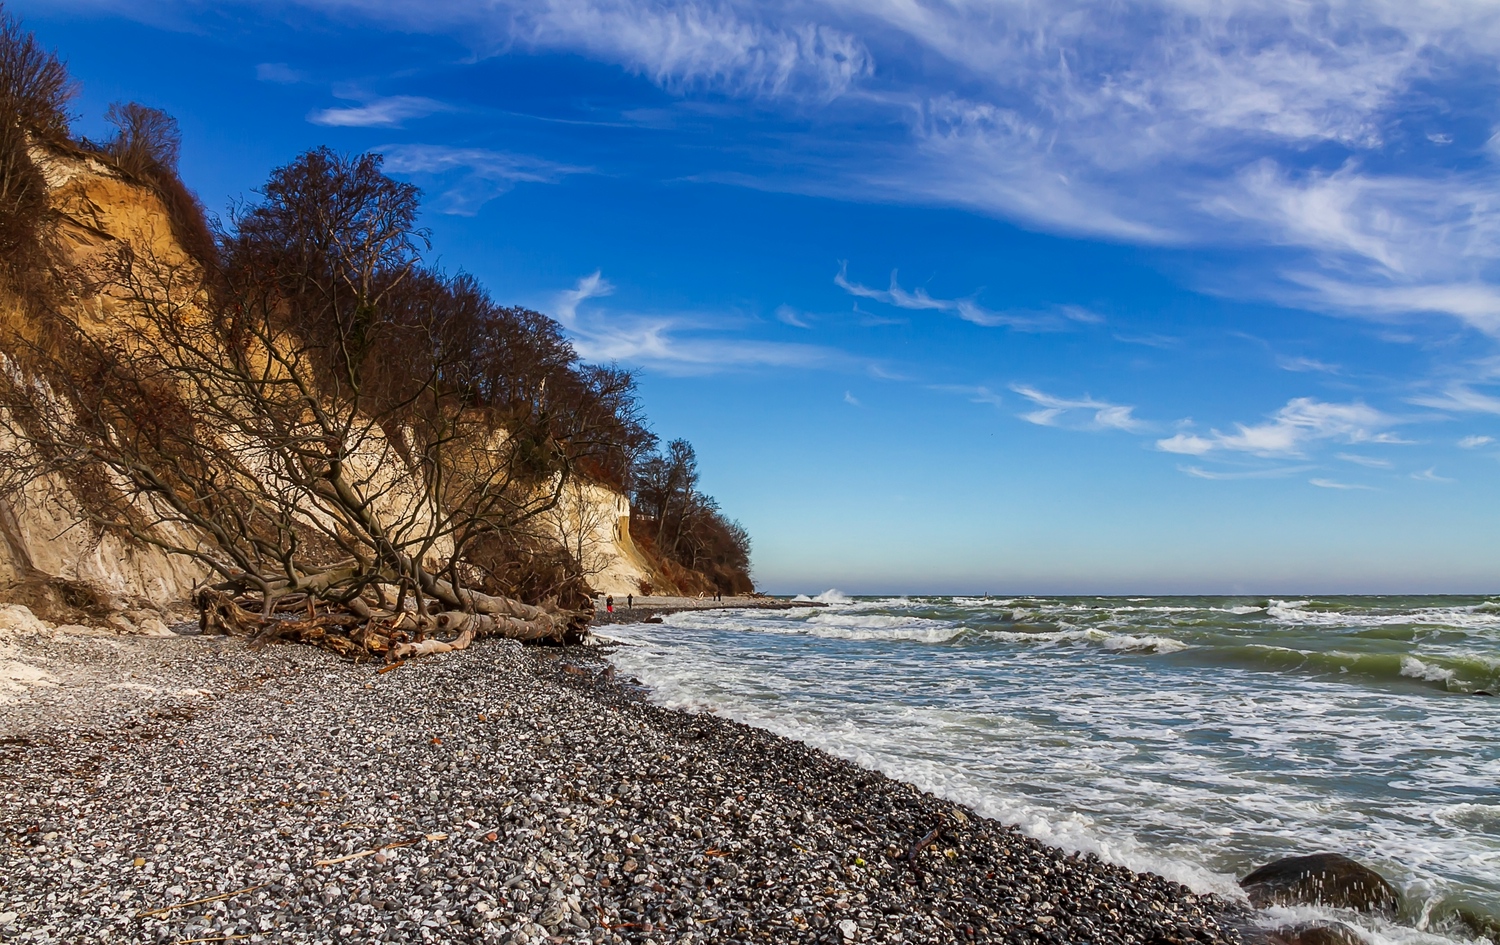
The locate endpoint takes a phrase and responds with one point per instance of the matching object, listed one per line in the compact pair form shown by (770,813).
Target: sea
(1194,737)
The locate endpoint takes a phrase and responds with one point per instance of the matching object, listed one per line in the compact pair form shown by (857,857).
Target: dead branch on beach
(912,857)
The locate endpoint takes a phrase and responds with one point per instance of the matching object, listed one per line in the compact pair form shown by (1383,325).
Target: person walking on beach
(609,604)
(630,602)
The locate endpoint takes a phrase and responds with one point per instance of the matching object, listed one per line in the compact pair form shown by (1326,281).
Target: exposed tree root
(358,631)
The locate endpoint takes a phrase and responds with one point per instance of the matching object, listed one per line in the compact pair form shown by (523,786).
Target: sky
(1168,296)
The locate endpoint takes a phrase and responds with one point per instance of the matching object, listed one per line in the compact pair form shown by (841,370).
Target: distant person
(630,602)
(609,604)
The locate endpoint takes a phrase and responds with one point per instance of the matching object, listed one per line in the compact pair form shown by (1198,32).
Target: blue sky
(1146,297)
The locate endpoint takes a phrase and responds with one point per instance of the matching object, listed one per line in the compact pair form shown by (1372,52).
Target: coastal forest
(355,448)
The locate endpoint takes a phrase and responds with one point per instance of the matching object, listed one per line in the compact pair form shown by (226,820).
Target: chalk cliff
(54,561)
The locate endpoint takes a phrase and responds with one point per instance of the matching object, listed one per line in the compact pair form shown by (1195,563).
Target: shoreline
(494,795)
(645,608)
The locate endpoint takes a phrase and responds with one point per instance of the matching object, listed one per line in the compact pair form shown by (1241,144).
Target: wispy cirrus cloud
(790,316)
(675,343)
(1065,411)
(690,45)
(1335,484)
(1430,475)
(468,178)
(388,112)
(1291,431)
(1460,398)
(1369,462)
(1221,475)
(966,308)
(975,394)
(1305,365)
(738,48)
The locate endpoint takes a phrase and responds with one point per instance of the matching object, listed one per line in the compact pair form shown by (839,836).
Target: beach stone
(1327,879)
(18,618)
(1481,925)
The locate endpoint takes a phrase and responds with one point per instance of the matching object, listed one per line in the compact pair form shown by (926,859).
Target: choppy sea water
(1195,737)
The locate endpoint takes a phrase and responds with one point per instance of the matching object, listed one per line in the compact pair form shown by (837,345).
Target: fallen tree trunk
(355,630)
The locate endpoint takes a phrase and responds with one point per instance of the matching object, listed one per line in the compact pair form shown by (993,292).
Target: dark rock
(1323,933)
(1327,879)
(1484,926)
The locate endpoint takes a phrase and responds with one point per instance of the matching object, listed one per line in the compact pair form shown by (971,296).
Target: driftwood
(918,847)
(196,902)
(357,630)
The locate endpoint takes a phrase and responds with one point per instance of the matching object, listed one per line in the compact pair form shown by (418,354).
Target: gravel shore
(174,790)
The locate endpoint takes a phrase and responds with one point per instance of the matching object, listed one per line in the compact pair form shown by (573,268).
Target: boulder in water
(1323,933)
(1325,879)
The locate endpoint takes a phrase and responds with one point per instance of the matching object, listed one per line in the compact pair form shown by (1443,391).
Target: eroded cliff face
(51,558)
(54,561)
(593,523)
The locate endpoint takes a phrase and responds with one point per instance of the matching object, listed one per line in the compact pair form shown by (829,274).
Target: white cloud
(895,295)
(711,45)
(851,400)
(591,286)
(1334,484)
(1292,430)
(378,113)
(1366,461)
(672,344)
(1430,475)
(470,177)
(1300,365)
(1218,475)
(967,309)
(790,316)
(1474,442)
(975,394)
(735,47)
(1057,411)
(1460,397)
(1187,444)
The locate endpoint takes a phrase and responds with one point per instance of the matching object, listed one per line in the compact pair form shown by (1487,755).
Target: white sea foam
(1467,619)
(1093,636)
(1416,669)
(1125,642)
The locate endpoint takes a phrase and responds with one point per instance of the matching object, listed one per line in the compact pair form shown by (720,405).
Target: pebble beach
(191,790)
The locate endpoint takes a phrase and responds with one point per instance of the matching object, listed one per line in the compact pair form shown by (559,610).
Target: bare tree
(685,526)
(34,93)
(312,415)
